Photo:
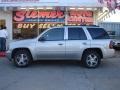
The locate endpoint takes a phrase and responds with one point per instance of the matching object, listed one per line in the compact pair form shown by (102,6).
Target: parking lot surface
(60,75)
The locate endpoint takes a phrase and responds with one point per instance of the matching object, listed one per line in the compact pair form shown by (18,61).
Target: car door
(76,42)
(51,44)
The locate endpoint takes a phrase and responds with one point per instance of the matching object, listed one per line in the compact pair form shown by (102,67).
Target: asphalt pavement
(60,75)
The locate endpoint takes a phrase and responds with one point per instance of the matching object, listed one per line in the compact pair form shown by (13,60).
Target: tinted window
(76,34)
(98,33)
(54,34)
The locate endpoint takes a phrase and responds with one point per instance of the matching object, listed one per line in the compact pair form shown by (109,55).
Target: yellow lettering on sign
(19,26)
(48,26)
(32,25)
(40,25)
(25,25)
(45,26)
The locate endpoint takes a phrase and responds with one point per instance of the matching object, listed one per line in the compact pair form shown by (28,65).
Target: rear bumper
(116,47)
(109,53)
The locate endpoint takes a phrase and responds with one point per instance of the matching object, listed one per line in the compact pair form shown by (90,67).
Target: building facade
(113,29)
(29,19)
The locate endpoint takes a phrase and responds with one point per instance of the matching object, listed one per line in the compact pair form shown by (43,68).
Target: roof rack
(93,25)
(83,25)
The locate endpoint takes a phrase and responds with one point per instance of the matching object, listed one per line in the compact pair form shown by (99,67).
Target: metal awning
(80,3)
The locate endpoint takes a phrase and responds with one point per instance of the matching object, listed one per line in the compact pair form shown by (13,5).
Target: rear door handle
(60,44)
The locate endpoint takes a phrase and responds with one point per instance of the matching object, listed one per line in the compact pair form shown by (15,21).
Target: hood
(21,43)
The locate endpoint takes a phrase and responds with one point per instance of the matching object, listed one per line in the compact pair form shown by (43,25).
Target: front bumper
(9,55)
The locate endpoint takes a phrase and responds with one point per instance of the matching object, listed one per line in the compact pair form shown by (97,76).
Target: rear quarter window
(98,33)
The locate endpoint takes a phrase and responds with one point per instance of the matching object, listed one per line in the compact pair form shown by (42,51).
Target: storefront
(28,22)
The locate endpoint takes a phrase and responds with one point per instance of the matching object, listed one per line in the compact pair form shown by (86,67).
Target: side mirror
(41,39)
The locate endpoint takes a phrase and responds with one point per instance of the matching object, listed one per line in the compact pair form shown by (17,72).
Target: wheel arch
(16,49)
(98,50)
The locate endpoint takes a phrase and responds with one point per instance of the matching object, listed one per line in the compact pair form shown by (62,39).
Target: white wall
(7,16)
(80,3)
(114,17)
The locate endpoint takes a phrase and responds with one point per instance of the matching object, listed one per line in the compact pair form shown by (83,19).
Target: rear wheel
(91,59)
(22,58)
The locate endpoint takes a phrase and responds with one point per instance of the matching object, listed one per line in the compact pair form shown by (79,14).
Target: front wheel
(22,58)
(91,59)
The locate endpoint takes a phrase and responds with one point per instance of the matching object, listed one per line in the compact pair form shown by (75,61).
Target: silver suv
(89,44)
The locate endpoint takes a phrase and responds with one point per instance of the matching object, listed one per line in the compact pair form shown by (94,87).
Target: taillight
(111,44)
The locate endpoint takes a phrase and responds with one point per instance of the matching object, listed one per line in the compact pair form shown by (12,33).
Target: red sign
(38,19)
(80,17)
(43,16)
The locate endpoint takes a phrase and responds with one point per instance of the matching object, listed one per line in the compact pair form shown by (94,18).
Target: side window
(98,33)
(54,34)
(76,34)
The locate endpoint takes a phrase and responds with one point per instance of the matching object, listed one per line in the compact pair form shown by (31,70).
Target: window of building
(2,22)
(29,24)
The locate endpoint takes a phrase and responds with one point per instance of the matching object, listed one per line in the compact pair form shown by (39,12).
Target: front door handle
(60,44)
(84,43)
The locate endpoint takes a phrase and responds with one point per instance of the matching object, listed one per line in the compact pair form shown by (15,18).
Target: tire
(91,59)
(22,58)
